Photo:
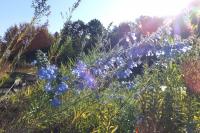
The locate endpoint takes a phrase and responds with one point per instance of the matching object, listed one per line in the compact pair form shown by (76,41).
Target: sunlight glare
(127,10)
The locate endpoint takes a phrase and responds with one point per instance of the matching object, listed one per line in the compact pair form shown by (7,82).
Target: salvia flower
(131,64)
(174,49)
(123,74)
(120,62)
(83,73)
(48,87)
(48,73)
(55,102)
(79,69)
(61,88)
(90,81)
(55,84)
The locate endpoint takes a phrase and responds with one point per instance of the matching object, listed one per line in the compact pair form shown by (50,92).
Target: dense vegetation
(141,77)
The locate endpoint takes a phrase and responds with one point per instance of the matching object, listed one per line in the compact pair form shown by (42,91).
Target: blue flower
(65,78)
(106,67)
(110,63)
(48,87)
(55,102)
(48,73)
(61,88)
(167,50)
(182,47)
(55,84)
(130,85)
(42,73)
(91,83)
(159,53)
(131,64)
(96,71)
(128,72)
(81,65)
(79,69)
(172,50)
(90,80)
(122,74)
(34,62)
(82,73)
(99,62)
(120,61)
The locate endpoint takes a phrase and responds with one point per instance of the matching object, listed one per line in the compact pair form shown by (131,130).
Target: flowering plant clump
(54,82)
(144,87)
(84,76)
(126,64)
(122,64)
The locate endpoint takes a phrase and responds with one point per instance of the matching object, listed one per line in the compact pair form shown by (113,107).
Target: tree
(75,31)
(119,34)
(95,28)
(149,24)
(26,38)
(11,33)
(79,31)
(94,32)
(41,8)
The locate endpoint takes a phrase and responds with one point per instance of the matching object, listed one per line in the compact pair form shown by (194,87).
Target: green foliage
(78,38)
(159,102)
(41,8)
(164,102)
(42,59)
(66,52)
(95,33)
(3,79)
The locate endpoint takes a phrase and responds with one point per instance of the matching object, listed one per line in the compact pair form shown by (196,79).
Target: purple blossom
(122,74)
(54,82)
(96,71)
(79,69)
(120,62)
(131,64)
(82,73)
(89,79)
(48,87)
(55,102)
(172,50)
(61,88)
(48,73)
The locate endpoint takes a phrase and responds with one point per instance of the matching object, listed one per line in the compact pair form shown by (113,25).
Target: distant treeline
(78,37)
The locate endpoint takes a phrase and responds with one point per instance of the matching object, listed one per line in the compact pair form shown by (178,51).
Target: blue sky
(19,11)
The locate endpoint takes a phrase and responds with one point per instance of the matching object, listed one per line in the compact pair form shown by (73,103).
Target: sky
(107,11)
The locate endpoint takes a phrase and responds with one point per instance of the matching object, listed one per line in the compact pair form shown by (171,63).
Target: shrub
(25,39)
